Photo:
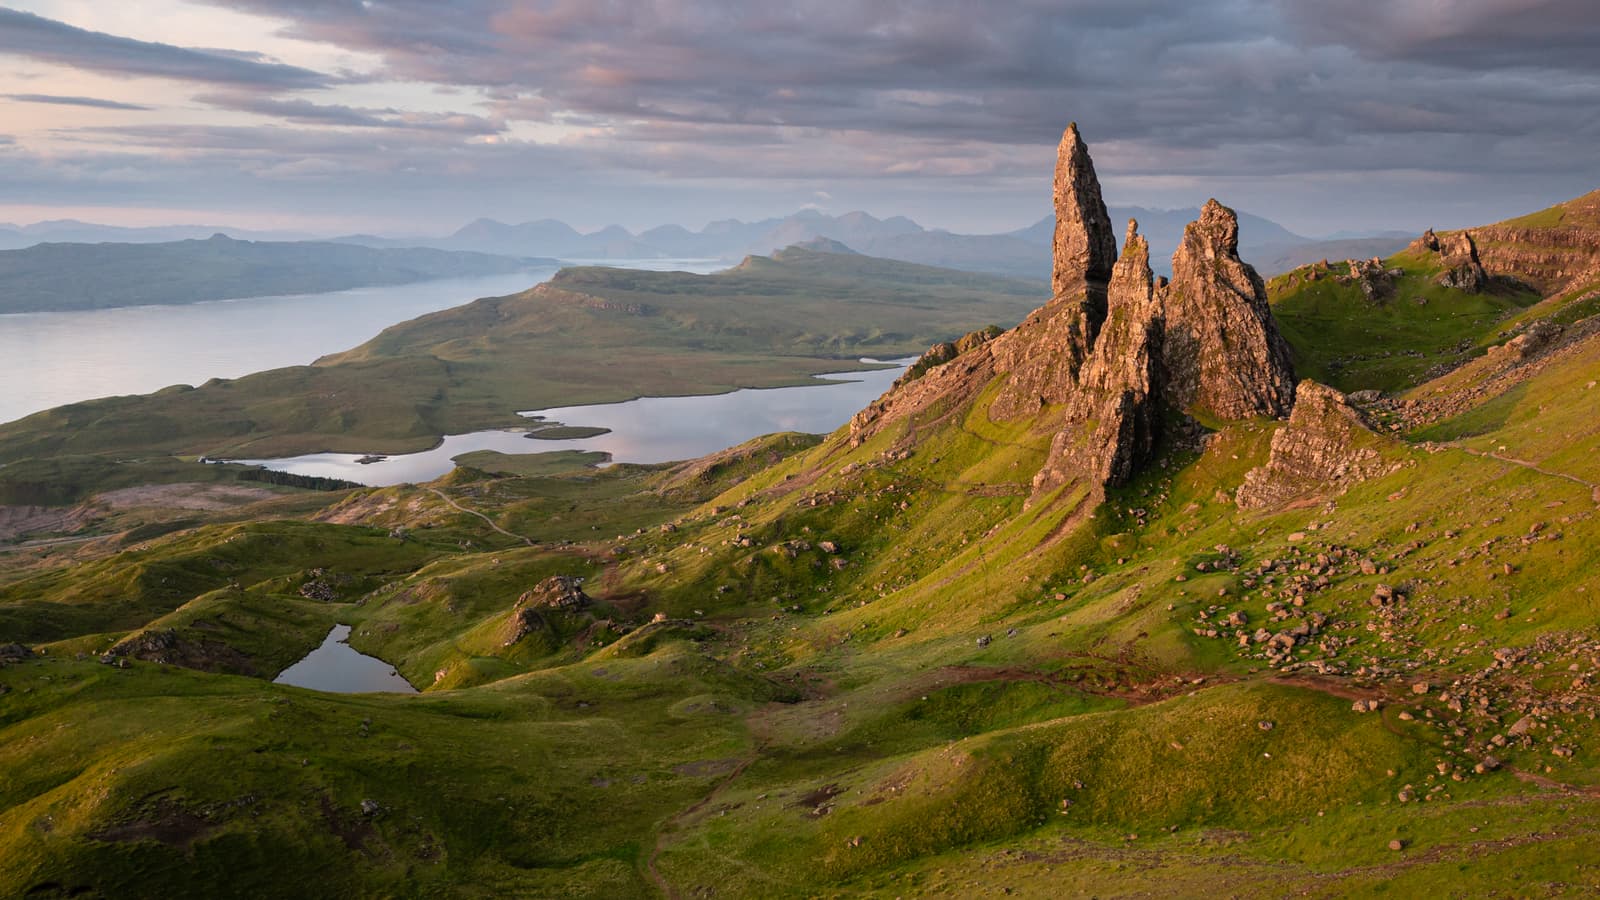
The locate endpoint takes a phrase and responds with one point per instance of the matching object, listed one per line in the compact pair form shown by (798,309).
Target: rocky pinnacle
(1085,244)
(1112,421)
(1222,351)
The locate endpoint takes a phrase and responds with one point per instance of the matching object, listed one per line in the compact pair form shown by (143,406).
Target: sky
(416,116)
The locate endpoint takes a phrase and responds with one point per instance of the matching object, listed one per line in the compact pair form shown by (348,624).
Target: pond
(646,430)
(338,668)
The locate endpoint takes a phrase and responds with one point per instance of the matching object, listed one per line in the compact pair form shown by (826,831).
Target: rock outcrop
(1113,419)
(1323,448)
(1113,350)
(1459,253)
(1222,351)
(555,592)
(1376,281)
(14,653)
(168,647)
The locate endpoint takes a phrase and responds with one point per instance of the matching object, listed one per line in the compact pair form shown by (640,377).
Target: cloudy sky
(415,116)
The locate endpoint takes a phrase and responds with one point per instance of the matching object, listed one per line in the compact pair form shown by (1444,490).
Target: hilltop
(1126,598)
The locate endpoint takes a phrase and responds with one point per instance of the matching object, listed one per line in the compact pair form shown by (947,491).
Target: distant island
(63,276)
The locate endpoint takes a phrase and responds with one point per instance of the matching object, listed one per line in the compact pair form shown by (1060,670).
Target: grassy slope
(986,699)
(764,324)
(917,756)
(1341,338)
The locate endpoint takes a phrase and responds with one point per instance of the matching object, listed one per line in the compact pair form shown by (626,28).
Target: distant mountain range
(72,231)
(70,276)
(1024,252)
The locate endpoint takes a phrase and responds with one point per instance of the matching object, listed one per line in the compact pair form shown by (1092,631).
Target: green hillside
(878,663)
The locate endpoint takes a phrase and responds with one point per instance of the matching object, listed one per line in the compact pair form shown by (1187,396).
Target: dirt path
(472,512)
(656,878)
(1594,489)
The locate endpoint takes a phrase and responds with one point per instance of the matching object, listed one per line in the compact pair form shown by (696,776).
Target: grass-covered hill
(55,276)
(870,664)
(1391,326)
(591,335)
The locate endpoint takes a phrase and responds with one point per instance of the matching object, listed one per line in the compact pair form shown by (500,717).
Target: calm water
(47,359)
(338,668)
(648,430)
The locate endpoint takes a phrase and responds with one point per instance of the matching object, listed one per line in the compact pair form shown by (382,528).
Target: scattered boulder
(15,652)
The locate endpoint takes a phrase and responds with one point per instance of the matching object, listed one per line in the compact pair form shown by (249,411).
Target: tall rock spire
(1112,421)
(1085,244)
(1223,352)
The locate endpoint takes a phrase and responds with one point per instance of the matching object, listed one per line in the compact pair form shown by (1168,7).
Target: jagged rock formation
(1459,253)
(1376,282)
(1223,353)
(556,592)
(1320,449)
(1115,348)
(1085,244)
(167,647)
(1113,419)
(944,351)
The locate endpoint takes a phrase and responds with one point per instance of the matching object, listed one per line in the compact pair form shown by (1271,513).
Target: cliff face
(1223,353)
(1099,367)
(1555,250)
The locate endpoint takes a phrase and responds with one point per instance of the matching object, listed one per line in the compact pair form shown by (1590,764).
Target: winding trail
(1594,489)
(660,881)
(472,512)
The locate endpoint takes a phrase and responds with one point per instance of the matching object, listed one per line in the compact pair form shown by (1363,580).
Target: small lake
(338,668)
(647,430)
(51,358)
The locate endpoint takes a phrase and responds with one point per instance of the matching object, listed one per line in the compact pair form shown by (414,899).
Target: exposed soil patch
(16,521)
(167,823)
(701,768)
(210,497)
(350,829)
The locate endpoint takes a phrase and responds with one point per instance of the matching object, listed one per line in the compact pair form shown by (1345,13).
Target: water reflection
(338,668)
(647,430)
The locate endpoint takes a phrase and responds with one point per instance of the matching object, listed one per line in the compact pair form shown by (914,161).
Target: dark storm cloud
(55,100)
(1470,34)
(1341,105)
(1170,74)
(47,40)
